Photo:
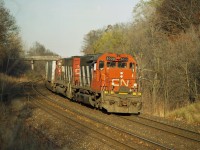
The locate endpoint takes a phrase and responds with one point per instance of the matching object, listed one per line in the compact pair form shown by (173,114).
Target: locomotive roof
(89,57)
(92,57)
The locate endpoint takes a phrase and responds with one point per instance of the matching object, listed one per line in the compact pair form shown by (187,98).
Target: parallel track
(64,117)
(177,131)
(72,122)
(125,132)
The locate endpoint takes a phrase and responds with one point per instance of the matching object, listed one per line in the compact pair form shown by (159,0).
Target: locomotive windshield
(122,64)
(111,64)
(119,63)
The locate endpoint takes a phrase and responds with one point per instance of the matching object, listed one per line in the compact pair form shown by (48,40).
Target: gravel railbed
(152,134)
(165,127)
(179,124)
(111,132)
(63,134)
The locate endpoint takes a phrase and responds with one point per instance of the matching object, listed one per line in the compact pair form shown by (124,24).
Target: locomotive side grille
(85,70)
(83,75)
(71,75)
(68,73)
(63,73)
(80,77)
(88,75)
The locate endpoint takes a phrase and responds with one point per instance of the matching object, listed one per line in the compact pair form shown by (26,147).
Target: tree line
(10,41)
(164,38)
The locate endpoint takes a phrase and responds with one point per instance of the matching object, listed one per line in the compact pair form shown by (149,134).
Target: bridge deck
(41,58)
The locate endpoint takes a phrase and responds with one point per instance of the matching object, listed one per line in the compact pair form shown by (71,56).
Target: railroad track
(174,142)
(177,131)
(87,130)
(149,144)
(64,117)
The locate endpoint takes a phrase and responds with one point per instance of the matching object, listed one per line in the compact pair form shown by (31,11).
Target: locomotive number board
(124,59)
(109,58)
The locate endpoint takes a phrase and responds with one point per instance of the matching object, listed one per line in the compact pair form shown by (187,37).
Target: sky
(60,25)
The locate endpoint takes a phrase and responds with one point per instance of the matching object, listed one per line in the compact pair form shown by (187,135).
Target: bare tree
(175,16)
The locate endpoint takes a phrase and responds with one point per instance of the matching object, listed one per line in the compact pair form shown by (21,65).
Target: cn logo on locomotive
(120,82)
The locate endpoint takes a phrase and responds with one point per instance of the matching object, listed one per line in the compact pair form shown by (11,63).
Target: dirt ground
(14,133)
(23,126)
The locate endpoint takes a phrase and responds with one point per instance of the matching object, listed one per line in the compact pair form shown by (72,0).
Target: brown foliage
(10,42)
(174,16)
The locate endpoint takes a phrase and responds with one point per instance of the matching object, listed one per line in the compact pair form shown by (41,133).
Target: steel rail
(29,96)
(106,124)
(163,129)
(44,107)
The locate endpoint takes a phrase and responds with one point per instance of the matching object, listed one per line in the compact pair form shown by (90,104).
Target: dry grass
(6,82)
(13,132)
(189,114)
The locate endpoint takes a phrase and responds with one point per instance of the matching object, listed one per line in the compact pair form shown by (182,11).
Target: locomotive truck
(104,81)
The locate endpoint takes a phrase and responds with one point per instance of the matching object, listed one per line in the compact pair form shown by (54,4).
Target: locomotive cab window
(122,64)
(132,66)
(101,64)
(111,64)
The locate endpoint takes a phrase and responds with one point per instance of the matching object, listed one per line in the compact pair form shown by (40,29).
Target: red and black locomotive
(105,81)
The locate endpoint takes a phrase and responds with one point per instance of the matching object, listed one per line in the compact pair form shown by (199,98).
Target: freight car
(105,81)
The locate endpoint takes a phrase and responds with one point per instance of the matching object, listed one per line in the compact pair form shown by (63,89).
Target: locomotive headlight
(135,85)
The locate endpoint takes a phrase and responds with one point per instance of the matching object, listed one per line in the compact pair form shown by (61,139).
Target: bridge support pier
(32,64)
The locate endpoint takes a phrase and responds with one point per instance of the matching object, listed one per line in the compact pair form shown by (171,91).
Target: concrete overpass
(41,58)
(32,59)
